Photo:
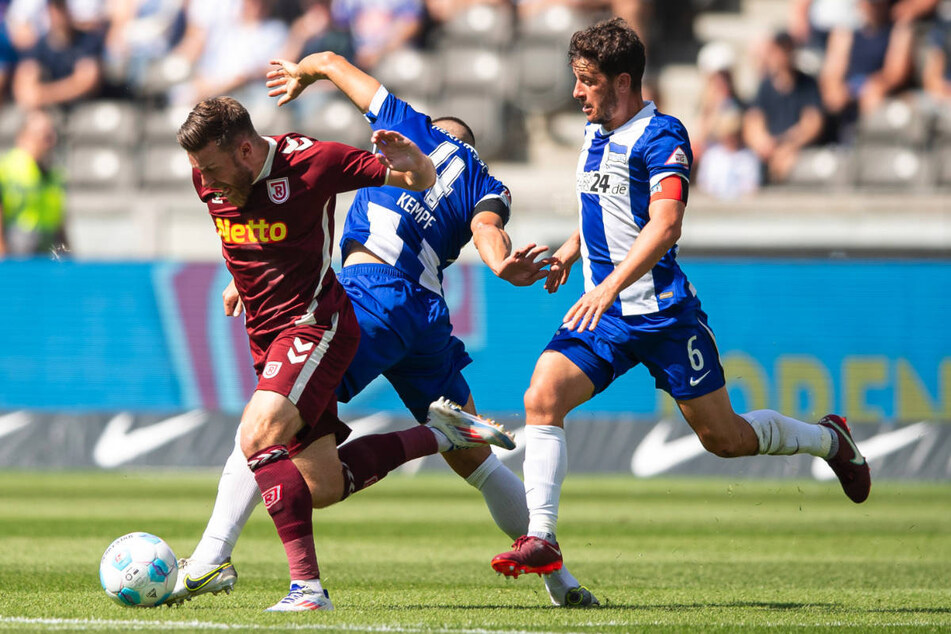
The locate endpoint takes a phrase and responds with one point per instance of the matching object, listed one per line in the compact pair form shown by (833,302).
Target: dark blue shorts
(406,336)
(676,346)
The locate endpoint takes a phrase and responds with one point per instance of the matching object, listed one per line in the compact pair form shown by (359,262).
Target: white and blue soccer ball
(138,570)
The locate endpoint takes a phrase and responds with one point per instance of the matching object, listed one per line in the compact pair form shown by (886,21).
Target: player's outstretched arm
(409,167)
(289,79)
(494,245)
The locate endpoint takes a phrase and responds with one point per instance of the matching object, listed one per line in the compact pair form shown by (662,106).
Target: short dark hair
(470,135)
(219,120)
(784,40)
(613,46)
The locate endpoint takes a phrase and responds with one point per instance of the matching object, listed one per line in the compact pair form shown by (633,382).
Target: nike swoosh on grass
(193,585)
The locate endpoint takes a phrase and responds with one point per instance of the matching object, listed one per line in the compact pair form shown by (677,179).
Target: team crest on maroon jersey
(278,190)
(271,369)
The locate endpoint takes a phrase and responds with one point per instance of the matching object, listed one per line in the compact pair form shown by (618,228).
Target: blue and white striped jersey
(617,172)
(421,233)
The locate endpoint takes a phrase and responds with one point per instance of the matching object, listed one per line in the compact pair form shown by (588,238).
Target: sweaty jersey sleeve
(387,111)
(353,168)
(668,153)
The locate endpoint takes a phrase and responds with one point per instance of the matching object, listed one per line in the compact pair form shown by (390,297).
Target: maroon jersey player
(272,201)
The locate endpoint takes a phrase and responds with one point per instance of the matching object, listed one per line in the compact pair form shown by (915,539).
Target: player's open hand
(560,264)
(286,81)
(402,155)
(232,301)
(522,268)
(587,311)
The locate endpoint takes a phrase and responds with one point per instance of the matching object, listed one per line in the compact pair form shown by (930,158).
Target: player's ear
(622,83)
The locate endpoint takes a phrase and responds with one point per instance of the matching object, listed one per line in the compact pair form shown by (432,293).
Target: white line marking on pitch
(11,622)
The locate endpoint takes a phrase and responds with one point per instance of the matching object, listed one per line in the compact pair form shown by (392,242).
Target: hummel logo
(301,348)
(194,585)
(695,381)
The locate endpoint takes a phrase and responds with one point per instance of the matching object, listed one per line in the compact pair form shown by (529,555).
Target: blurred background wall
(818,231)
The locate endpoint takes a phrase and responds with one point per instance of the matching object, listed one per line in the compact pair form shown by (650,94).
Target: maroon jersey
(278,246)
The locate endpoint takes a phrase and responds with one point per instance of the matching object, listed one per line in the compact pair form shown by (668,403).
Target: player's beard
(603,113)
(240,190)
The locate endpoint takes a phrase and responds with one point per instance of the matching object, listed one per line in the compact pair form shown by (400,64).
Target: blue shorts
(676,346)
(406,336)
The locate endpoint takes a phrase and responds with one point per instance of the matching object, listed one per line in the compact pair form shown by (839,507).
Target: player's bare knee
(259,432)
(722,445)
(541,402)
(465,461)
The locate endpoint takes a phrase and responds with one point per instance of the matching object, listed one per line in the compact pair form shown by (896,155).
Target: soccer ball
(138,570)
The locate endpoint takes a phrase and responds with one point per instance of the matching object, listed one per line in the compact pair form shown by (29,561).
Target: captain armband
(671,187)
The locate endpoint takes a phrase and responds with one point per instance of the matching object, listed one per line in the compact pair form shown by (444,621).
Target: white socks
(504,494)
(780,435)
(546,462)
(442,440)
(238,494)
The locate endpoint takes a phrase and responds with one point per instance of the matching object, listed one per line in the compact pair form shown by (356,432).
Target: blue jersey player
(395,248)
(638,307)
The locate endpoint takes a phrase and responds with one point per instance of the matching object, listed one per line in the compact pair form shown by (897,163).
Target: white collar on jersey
(648,111)
(269,161)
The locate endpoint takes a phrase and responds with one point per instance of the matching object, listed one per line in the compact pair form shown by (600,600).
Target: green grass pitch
(412,555)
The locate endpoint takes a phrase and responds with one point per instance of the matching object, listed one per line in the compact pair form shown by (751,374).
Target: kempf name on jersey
(419,213)
(254,231)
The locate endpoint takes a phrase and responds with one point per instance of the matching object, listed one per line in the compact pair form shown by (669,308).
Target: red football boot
(529,554)
(848,463)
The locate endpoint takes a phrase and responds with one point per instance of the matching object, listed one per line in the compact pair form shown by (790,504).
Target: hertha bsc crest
(278,190)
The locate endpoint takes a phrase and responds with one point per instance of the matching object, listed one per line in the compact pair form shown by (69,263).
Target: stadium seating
(823,168)
(544,79)
(897,122)
(942,165)
(890,166)
(10,121)
(102,167)
(485,115)
(476,69)
(335,119)
(104,122)
(485,25)
(165,166)
(161,124)
(410,72)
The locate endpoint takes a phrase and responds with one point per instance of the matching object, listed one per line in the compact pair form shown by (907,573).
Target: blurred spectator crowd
(850,91)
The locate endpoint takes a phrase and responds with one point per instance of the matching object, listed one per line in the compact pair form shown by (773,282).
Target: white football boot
(465,430)
(196,578)
(302,598)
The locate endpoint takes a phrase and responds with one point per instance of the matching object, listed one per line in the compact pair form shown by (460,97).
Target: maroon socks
(287,499)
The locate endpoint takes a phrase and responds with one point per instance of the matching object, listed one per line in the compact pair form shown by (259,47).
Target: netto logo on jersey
(254,231)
